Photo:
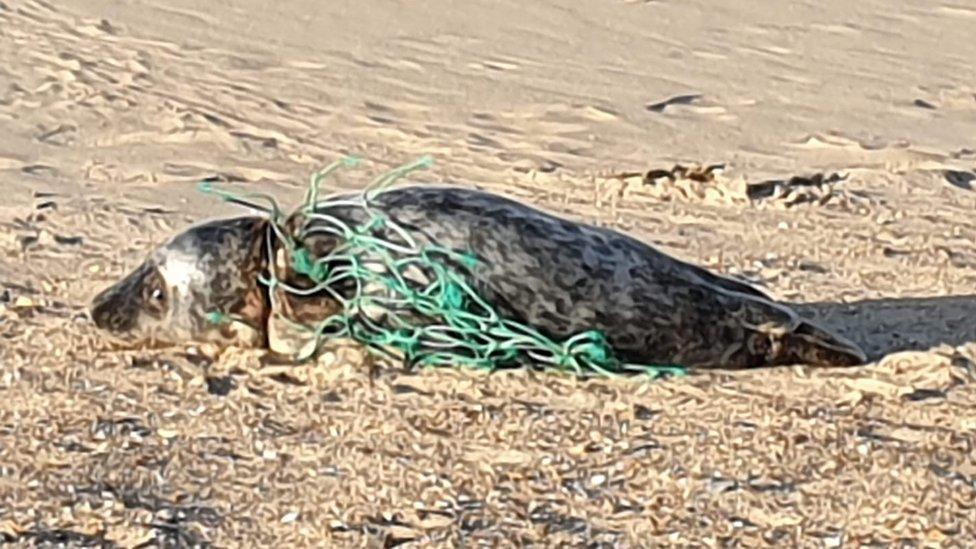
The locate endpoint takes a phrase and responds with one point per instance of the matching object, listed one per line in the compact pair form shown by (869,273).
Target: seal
(213,266)
(559,276)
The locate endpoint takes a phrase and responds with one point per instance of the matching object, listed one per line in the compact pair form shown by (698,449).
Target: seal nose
(98,311)
(116,308)
(108,312)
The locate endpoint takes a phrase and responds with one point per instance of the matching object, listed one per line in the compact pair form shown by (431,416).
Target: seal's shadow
(883,326)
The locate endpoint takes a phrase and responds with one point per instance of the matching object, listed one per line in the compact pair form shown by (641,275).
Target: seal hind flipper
(810,344)
(769,334)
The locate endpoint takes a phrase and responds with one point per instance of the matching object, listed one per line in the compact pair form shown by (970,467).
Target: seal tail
(815,346)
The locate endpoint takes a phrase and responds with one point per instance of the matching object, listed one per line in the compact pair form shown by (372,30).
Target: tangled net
(440,321)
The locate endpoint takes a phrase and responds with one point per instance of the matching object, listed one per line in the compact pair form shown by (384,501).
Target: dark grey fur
(221,259)
(564,277)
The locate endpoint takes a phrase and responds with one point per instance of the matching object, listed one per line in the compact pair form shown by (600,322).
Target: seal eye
(154,294)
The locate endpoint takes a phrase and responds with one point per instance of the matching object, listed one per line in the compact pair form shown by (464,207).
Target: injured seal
(558,276)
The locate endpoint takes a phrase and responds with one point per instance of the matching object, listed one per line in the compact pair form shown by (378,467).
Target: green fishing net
(437,321)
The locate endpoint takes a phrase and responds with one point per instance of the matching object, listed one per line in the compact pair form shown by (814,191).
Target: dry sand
(111,111)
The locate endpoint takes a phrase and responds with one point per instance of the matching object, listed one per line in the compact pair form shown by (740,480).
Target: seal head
(203,285)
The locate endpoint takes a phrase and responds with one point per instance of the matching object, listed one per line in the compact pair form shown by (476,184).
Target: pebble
(289,517)
(167,433)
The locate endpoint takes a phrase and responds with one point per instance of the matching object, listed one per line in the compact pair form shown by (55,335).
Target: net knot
(216,317)
(303,264)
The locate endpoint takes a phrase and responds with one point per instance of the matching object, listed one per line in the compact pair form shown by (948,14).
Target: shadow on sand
(885,326)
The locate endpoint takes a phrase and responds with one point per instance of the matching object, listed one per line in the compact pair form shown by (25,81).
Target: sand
(847,187)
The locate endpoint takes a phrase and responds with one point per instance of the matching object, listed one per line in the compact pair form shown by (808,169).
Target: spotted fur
(210,268)
(560,276)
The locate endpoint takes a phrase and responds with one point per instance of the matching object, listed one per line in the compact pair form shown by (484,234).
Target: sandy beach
(842,144)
